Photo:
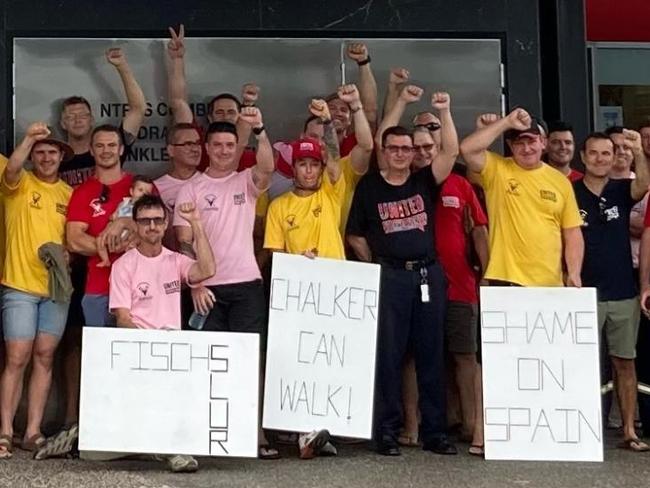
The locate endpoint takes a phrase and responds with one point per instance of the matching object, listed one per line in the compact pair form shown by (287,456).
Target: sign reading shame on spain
(541,377)
(320,364)
(169,392)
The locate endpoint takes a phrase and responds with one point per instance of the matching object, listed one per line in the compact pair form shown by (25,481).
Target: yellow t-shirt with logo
(296,224)
(351,180)
(3,165)
(527,210)
(34,214)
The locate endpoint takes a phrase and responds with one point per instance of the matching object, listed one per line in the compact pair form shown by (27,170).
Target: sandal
(267,452)
(6,447)
(633,444)
(33,443)
(408,439)
(59,445)
(477,450)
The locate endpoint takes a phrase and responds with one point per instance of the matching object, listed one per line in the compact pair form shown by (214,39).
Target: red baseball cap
(306,148)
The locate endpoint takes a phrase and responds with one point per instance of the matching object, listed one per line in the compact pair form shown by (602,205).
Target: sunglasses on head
(431,126)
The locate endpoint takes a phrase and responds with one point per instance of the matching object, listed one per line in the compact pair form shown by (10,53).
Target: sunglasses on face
(147,221)
(426,147)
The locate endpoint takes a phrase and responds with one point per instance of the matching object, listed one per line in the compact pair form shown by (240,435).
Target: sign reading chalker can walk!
(169,392)
(320,364)
(541,377)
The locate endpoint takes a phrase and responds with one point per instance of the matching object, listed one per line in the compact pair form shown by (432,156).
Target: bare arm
(204,267)
(639,185)
(396,81)
(185,238)
(358,52)
(265,165)
(250,95)
(123,318)
(636,225)
(35,132)
(134,96)
(176,81)
(319,108)
(474,147)
(574,250)
(360,247)
(480,240)
(78,240)
(444,162)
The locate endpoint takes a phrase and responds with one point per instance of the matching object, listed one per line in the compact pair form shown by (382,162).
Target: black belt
(414,265)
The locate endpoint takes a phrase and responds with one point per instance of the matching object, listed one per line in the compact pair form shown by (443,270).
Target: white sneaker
(182,463)
(311,444)
(328,450)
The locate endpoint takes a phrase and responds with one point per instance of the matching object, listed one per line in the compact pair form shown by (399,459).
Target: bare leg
(40,381)
(11,385)
(626,390)
(477,435)
(465,372)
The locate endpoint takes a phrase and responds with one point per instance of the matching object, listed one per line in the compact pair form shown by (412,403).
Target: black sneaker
(440,446)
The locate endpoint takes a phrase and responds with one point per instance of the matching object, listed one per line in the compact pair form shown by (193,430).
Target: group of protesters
(86,244)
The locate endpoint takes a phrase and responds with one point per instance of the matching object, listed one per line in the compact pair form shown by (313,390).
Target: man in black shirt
(605,206)
(391,223)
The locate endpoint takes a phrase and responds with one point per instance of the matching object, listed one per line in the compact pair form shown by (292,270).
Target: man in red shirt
(560,149)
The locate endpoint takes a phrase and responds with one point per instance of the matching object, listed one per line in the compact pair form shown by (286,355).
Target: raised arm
(474,147)
(396,82)
(134,96)
(361,152)
(320,109)
(35,132)
(176,82)
(444,161)
(358,52)
(265,165)
(204,267)
(250,94)
(409,94)
(640,184)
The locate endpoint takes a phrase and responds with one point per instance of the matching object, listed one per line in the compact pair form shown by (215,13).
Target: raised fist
(349,94)
(189,212)
(357,51)
(250,92)
(252,116)
(320,109)
(398,76)
(441,101)
(37,131)
(176,44)
(411,93)
(632,140)
(116,56)
(519,119)
(484,120)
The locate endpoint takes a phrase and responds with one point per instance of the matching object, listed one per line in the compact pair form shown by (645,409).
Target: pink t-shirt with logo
(150,287)
(227,208)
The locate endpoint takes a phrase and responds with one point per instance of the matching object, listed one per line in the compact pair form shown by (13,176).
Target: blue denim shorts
(96,313)
(24,315)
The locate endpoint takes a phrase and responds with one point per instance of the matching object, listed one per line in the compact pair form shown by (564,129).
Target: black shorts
(461,326)
(239,307)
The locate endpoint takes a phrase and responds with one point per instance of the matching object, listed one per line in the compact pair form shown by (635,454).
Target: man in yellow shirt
(35,207)
(533,214)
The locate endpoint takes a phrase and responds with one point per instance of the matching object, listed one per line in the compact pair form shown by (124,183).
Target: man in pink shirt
(225,199)
(146,281)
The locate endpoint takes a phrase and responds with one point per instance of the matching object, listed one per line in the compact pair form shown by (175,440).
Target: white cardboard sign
(169,392)
(320,364)
(541,375)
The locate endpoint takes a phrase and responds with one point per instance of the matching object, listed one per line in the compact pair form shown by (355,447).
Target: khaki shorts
(620,318)
(461,327)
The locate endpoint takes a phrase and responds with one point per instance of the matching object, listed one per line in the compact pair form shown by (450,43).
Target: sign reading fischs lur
(320,365)
(541,376)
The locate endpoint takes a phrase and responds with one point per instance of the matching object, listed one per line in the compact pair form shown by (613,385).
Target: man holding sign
(391,223)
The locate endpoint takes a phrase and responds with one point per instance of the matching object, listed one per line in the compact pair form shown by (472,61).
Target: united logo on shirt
(36,199)
(548,195)
(403,215)
(211,202)
(172,287)
(143,289)
(239,198)
(450,201)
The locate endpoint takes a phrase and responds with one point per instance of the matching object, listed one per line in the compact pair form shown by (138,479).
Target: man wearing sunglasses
(605,204)
(391,223)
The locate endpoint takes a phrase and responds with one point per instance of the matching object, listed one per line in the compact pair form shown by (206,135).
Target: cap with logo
(306,148)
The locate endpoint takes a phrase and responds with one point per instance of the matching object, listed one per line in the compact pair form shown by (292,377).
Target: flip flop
(6,447)
(634,445)
(33,443)
(477,450)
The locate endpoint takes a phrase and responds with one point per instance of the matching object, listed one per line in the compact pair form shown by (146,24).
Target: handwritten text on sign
(321,348)
(541,381)
(169,392)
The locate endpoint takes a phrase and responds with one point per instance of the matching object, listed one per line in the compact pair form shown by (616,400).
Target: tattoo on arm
(187,249)
(331,141)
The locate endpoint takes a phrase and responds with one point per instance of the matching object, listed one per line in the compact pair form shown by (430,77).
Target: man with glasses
(605,204)
(391,223)
(531,206)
